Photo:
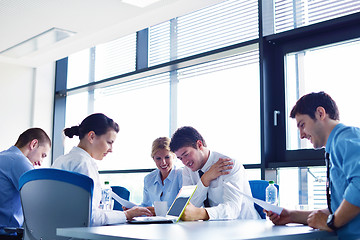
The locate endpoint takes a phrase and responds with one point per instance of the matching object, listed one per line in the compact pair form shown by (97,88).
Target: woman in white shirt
(97,134)
(165,182)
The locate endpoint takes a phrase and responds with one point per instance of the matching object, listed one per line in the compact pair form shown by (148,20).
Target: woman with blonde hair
(164,183)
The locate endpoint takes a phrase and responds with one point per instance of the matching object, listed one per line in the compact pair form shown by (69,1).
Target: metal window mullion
(91,97)
(59,108)
(142,49)
(173,77)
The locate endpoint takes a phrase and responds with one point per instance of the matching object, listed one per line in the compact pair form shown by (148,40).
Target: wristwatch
(330,222)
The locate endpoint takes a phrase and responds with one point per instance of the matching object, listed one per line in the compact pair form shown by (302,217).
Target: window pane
(221,100)
(311,190)
(141,108)
(76,111)
(78,69)
(333,69)
(115,57)
(134,182)
(253,174)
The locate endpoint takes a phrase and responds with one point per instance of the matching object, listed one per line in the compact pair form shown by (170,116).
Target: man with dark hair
(317,118)
(30,149)
(219,179)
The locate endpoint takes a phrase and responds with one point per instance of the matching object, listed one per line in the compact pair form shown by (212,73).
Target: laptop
(175,211)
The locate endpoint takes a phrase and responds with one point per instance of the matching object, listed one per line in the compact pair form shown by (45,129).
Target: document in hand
(261,203)
(122,201)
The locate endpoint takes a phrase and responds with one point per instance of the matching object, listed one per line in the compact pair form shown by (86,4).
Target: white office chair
(53,198)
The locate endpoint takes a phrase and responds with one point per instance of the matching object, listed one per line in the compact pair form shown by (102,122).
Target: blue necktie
(206,202)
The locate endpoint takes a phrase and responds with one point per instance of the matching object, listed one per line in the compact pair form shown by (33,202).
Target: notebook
(175,211)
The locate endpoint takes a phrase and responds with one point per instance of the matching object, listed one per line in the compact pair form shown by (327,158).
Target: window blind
(115,57)
(297,13)
(220,25)
(159,43)
(242,59)
(135,84)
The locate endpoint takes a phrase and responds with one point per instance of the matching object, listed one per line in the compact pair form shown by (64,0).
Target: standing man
(219,180)
(317,118)
(30,149)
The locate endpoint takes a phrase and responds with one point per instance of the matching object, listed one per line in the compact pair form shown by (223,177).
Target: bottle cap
(271,182)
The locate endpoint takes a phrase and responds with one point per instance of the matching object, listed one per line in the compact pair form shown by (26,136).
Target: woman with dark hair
(97,134)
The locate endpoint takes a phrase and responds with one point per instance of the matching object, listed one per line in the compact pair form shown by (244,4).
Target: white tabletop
(206,230)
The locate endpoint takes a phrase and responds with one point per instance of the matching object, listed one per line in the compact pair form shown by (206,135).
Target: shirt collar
(208,163)
(170,177)
(332,135)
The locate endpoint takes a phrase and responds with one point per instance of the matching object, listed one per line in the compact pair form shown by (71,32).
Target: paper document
(122,201)
(261,203)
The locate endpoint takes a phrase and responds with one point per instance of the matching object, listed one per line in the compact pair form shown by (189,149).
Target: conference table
(205,230)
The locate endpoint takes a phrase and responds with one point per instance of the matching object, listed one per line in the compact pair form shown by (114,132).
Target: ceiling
(94,21)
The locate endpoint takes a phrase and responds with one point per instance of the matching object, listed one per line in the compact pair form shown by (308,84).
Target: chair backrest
(53,198)
(123,193)
(258,190)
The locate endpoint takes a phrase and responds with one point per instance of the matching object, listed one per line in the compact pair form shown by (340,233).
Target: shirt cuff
(115,217)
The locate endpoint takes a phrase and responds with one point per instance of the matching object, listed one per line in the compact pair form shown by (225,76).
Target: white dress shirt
(225,202)
(78,160)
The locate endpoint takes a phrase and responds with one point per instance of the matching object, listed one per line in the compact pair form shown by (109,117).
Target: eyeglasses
(328,189)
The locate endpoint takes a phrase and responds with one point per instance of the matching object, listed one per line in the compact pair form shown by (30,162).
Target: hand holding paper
(261,203)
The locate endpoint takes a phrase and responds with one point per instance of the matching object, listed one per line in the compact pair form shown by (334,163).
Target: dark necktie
(206,202)
(328,189)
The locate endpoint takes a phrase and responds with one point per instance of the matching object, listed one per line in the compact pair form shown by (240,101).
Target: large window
(333,69)
(216,70)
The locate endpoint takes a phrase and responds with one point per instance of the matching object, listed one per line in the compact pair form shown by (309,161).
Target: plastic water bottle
(105,202)
(271,194)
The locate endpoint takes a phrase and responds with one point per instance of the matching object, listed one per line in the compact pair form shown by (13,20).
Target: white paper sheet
(261,203)
(122,201)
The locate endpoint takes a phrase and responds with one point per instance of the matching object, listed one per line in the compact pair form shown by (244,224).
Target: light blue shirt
(343,145)
(154,190)
(13,164)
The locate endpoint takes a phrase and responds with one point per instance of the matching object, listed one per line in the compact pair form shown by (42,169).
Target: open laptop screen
(178,206)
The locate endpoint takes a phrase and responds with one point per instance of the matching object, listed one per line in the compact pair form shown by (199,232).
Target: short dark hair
(97,122)
(308,104)
(185,137)
(31,134)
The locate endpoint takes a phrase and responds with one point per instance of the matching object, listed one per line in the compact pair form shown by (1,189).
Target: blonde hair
(160,143)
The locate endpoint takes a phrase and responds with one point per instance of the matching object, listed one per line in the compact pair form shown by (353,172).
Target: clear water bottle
(271,193)
(105,202)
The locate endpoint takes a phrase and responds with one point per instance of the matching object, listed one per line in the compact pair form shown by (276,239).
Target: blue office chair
(53,198)
(123,193)
(258,188)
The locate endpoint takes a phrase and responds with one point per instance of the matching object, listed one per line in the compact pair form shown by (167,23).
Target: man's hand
(221,167)
(281,219)
(192,213)
(317,219)
(137,211)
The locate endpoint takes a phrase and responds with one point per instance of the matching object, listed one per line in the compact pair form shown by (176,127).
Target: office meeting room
(179,119)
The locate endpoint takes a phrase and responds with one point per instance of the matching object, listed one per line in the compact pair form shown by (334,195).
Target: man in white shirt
(222,179)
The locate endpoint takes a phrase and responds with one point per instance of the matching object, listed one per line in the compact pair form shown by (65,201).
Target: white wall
(26,100)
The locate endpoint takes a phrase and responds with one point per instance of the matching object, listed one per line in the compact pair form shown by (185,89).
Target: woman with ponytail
(97,134)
